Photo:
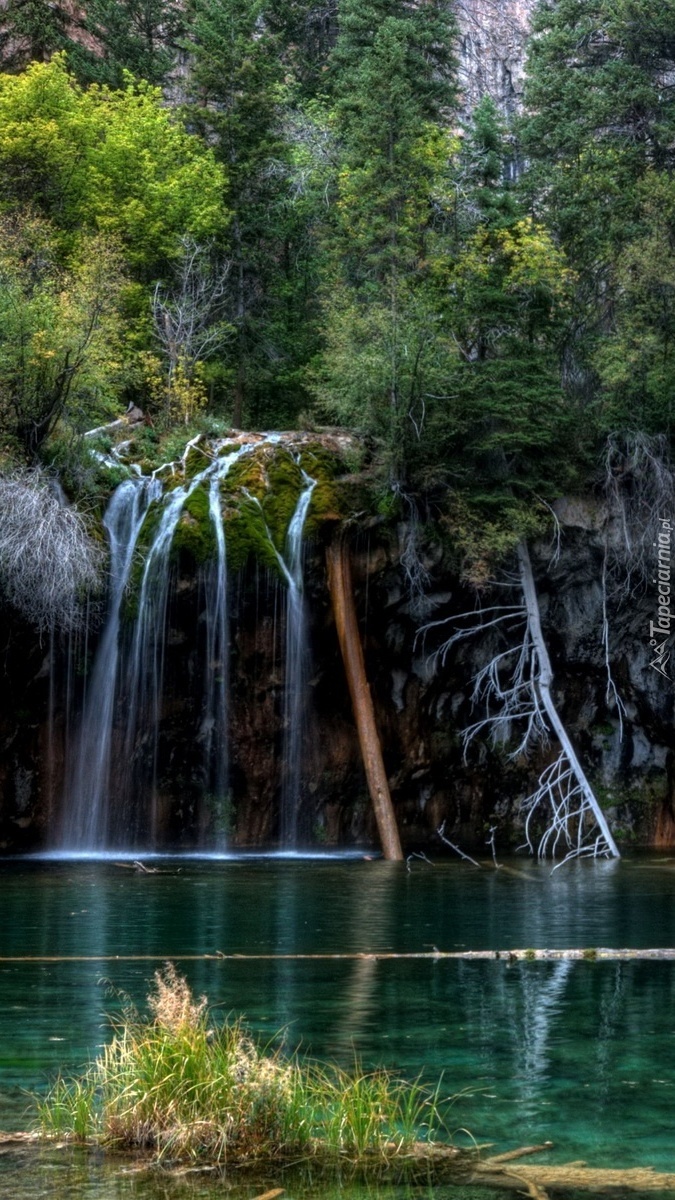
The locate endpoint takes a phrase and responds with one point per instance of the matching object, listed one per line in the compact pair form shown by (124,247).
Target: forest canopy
(486,299)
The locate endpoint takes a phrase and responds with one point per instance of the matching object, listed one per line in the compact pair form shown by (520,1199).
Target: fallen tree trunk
(588,954)
(508,1173)
(535,1180)
(342,597)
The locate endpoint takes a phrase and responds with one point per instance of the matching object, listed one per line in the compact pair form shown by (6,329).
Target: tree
(116,162)
(137,36)
(600,136)
(189,323)
(60,337)
(236,90)
(49,563)
(33,30)
(392,78)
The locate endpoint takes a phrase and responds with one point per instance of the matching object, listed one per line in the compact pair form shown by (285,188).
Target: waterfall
(112,782)
(118,767)
(144,679)
(297,656)
(213,729)
(297,661)
(86,824)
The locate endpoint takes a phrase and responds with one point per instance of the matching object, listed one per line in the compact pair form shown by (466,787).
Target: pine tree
(600,138)
(139,36)
(394,87)
(503,290)
(33,30)
(392,79)
(235,87)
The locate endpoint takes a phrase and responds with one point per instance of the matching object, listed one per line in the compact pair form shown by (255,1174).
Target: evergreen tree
(503,290)
(392,78)
(33,30)
(139,36)
(600,113)
(600,138)
(393,88)
(235,86)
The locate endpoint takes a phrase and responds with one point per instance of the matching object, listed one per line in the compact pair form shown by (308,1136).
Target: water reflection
(581,1052)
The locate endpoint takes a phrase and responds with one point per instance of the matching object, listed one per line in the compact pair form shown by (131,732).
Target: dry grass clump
(184,1088)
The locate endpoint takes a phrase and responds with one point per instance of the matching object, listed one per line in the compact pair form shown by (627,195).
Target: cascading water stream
(86,825)
(145,674)
(111,796)
(297,656)
(297,664)
(213,729)
(115,792)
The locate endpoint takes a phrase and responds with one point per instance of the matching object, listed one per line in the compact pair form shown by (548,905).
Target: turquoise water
(580,1053)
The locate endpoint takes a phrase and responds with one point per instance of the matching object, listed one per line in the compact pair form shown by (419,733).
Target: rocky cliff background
(422,705)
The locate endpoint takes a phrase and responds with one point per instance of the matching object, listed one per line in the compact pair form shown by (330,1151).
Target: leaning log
(342,597)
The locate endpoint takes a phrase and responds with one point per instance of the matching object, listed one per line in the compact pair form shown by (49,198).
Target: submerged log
(535,1180)
(342,597)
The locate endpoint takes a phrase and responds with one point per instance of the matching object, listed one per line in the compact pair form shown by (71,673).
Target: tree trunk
(543,684)
(342,596)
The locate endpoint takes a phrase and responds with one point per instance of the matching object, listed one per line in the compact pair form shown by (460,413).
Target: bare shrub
(49,563)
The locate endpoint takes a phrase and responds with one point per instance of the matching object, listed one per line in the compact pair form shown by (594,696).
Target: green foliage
(34,29)
(599,137)
(136,36)
(60,336)
(485,334)
(113,162)
(236,88)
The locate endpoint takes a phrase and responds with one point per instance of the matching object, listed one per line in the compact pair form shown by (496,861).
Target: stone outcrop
(493,36)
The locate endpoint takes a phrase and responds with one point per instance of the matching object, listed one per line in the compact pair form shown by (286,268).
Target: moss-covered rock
(195,536)
(247,536)
(284,487)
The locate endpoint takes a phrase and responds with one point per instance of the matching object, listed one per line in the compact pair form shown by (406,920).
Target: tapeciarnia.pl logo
(659,630)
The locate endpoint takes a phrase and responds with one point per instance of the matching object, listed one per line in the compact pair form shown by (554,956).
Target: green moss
(246,536)
(284,486)
(247,473)
(321,463)
(195,535)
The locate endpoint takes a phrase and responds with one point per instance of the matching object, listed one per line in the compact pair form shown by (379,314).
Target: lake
(581,1053)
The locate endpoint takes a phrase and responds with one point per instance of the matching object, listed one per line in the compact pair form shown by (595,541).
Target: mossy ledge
(259,494)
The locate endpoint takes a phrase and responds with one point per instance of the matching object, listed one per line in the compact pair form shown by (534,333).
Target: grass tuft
(185,1088)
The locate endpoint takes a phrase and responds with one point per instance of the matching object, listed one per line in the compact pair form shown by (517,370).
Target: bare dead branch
(49,562)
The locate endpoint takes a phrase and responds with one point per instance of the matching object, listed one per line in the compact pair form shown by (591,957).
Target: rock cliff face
(493,36)
(421,708)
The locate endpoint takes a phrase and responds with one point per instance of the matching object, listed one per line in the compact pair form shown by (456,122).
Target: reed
(184,1087)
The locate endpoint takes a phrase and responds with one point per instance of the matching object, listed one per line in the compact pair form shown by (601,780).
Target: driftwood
(536,1180)
(564,784)
(342,597)
(589,954)
(505,1172)
(451,1166)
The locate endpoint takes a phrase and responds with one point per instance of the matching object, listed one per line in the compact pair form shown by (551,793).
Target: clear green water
(580,1053)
